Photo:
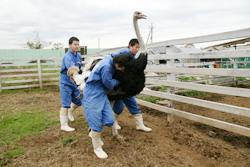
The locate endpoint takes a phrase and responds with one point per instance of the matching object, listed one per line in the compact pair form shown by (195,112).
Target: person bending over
(97,108)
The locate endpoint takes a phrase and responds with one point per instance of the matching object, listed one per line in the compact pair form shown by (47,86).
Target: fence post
(171,90)
(235,67)
(0,85)
(39,72)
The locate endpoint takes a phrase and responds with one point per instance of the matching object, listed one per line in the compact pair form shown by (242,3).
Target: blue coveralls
(95,101)
(130,102)
(68,90)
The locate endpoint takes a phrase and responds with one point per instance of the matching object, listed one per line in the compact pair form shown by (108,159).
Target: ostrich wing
(132,80)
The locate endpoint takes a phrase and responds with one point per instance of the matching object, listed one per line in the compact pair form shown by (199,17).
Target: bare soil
(181,143)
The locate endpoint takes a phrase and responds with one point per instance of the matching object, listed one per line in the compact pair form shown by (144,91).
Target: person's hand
(71,72)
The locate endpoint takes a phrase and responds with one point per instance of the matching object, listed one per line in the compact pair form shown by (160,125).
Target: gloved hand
(71,72)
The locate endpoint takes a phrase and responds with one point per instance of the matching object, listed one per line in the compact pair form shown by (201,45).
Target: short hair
(132,42)
(73,39)
(123,59)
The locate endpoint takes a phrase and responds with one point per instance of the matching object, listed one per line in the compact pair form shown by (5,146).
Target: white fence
(173,69)
(29,75)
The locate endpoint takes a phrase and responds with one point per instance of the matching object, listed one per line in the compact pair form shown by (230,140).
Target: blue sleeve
(107,80)
(120,52)
(68,62)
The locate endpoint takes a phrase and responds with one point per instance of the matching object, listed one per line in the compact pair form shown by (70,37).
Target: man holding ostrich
(130,102)
(97,108)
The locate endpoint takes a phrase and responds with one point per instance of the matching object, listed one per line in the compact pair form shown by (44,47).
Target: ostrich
(132,80)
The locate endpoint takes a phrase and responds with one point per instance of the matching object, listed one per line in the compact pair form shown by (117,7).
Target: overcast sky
(111,20)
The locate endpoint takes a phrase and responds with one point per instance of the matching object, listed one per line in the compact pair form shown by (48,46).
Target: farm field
(30,135)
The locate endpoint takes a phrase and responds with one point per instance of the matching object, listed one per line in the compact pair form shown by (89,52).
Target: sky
(110,21)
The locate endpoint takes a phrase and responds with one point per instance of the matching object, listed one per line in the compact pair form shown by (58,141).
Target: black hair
(73,39)
(132,42)
(123,59)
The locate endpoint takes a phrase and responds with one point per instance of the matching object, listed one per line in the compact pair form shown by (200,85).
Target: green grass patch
(8,156)
(163,88)
(16,126)
(192,93)
(184,78)
(16,151)
(150,99)
(241,79)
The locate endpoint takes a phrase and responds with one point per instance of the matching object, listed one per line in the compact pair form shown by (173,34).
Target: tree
(57,45)
(38,43)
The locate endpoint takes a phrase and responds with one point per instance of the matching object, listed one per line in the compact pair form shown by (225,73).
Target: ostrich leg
(114,128)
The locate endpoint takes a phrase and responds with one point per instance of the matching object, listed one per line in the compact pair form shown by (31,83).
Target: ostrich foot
(115,132)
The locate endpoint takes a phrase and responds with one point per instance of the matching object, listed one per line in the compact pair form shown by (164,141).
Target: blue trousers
(130,103)
(98,113)
(68,95)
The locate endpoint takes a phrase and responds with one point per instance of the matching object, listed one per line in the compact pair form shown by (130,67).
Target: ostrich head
(139,15)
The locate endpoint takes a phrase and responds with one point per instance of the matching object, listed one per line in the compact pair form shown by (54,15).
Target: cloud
(111,20)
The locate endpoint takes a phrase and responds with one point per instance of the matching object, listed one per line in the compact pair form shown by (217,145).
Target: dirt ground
(182,143)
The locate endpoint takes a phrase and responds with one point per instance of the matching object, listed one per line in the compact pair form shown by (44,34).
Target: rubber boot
(90,135)
(97,144)
(70,110)
(139,123)
(64,120)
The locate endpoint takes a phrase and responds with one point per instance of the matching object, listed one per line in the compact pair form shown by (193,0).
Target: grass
(192,93)
(184,78)
(14,152)
(15,126)
(241,79)
(163,88)
(151,99)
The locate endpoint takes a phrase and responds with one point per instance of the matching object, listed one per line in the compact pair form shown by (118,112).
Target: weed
(163,88)
(184,78)
(241,79)
(151,99)
(192,93)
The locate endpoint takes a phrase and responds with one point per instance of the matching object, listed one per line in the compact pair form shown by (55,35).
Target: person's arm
(69,62)
(107,80)
(119,52)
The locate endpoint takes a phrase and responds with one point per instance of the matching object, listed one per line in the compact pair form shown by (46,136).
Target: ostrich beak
(142,16)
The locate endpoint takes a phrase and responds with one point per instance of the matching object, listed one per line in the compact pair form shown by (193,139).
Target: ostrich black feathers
(132,80)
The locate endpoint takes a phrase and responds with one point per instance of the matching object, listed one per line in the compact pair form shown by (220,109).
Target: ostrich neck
(138,34)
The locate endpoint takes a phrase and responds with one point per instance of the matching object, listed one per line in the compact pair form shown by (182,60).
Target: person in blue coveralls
(68,90)
(130,102)
(97,108)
